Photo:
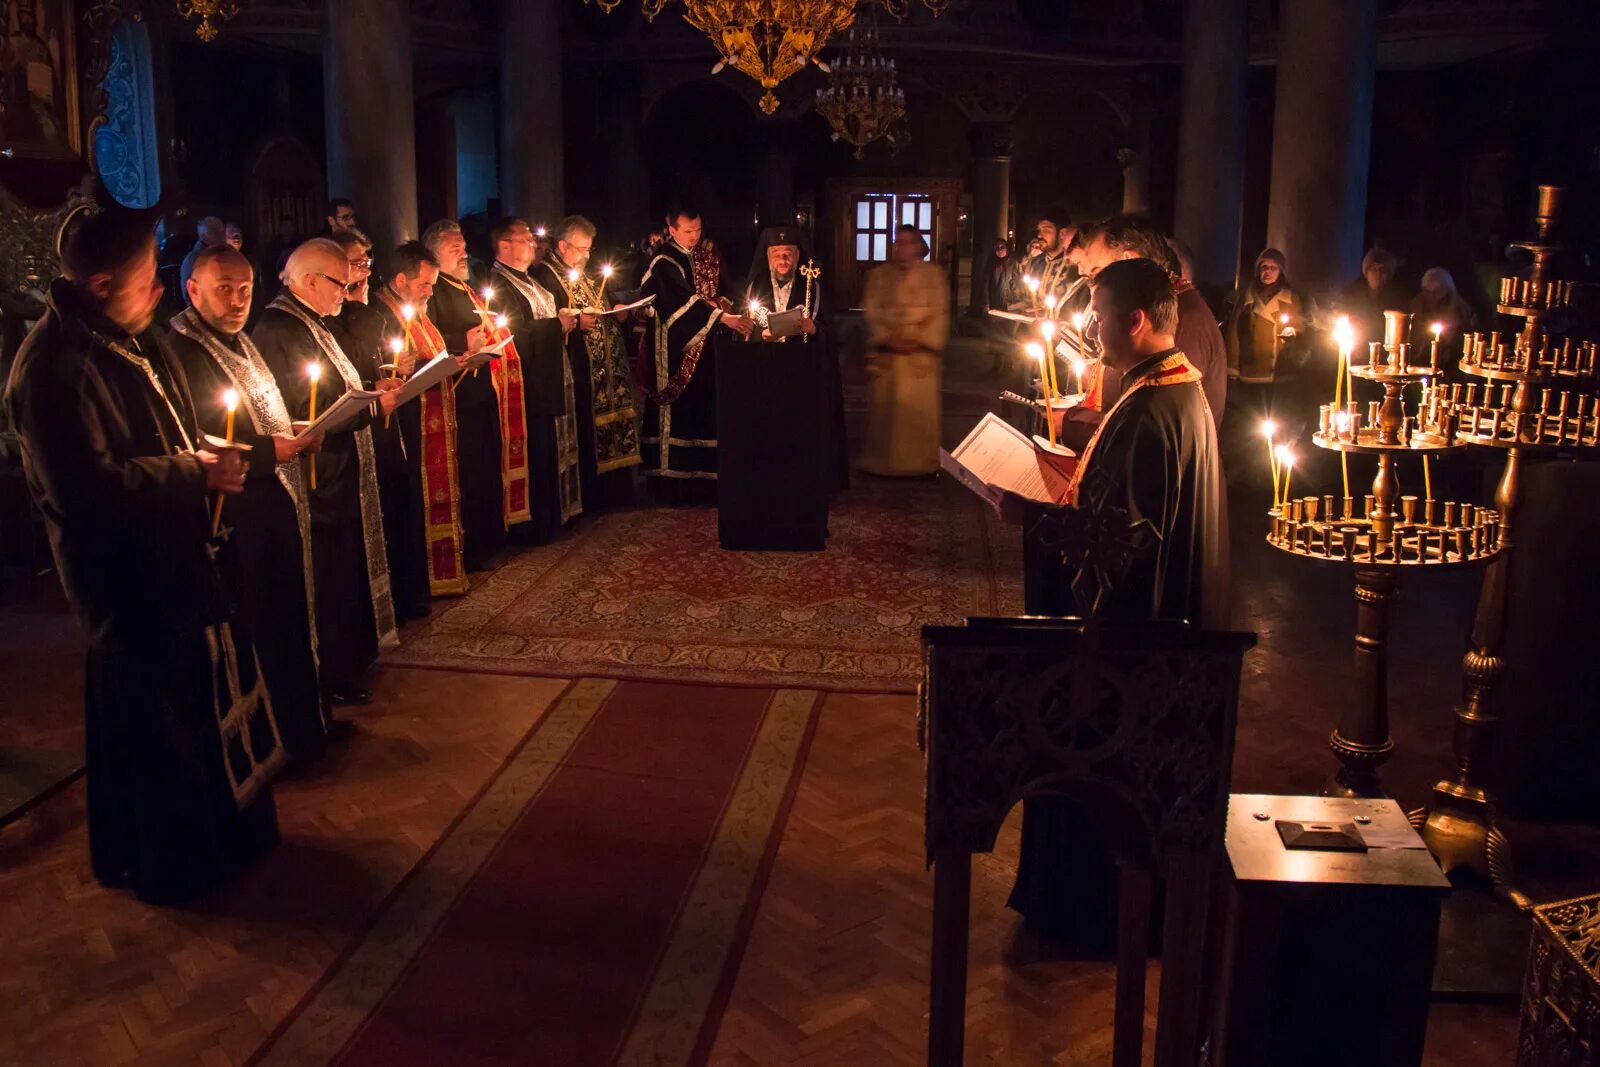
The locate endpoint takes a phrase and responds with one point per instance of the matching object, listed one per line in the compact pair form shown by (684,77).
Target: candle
(1047,330)
(1050,304)
(1033,291)
(230,400)
(1341,423)
(1427,482)
(1268,429)
(1345,335)
(539,231)
(408,312)
(1037,351)
(1286,462)
(500,322)
(1433,362)
(487,292)
(605,276)
(313,371)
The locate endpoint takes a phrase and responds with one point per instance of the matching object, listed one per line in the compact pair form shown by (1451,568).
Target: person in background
(235,236)
(341,216)
(907,308)
(1440,302)
(1369,296)
(211,232)
(1262,315)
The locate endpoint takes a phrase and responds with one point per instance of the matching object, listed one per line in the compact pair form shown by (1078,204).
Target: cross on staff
(811,272)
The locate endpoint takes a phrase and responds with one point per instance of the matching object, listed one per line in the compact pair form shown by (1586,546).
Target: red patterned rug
(648,594)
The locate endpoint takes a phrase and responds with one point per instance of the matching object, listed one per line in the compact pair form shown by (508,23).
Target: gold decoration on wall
(770,40)
(210,13)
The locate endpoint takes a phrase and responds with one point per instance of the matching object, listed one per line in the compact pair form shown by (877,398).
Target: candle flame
(488,293)
(755,306)
(500,321)
(396,345)
(1078,366)
(572,275)
(1031,282)
(313,371)
(1269,429)
(1285,455)
(230,399)
(1048,329)
(1284,318)
(1344,333)
(1437,328)
(408,312)
(1050,301)
(1035,350)
(538,231)
(605,271)
(1341,420)
(1078,319)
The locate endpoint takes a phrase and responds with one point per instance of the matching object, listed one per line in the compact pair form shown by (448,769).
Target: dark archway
(702,147)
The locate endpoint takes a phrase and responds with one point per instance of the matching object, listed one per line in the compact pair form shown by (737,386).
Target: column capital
(992,140)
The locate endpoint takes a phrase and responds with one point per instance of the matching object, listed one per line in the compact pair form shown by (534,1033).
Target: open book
(339,414)
(785,323)
(997,458)
(425,377)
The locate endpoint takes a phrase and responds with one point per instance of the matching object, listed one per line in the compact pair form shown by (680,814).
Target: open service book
(338,414)
(996,458)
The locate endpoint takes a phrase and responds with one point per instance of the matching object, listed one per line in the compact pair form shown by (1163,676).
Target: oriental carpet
(647,594)
(591,906)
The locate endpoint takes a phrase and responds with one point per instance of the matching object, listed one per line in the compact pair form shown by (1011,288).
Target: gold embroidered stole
(543,306)
(1174,369)
(505,371)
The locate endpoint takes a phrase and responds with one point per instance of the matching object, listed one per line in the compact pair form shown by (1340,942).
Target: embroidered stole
(441,493)
(269,415)
(543,306)
(1174,369)
(616,445)
(706,265)
(371,513)
(505,371)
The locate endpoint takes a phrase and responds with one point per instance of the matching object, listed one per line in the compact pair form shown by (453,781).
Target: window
(878,215)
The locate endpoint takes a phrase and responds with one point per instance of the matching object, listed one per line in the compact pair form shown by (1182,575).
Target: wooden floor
(835,972)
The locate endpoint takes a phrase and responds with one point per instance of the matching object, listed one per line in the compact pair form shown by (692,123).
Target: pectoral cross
(811,273)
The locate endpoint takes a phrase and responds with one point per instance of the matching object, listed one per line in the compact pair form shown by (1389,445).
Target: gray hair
(570,225)
(434,235)
(1439,277)
(305,259)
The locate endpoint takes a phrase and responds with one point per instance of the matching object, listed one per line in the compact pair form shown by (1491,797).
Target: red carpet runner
(591,906)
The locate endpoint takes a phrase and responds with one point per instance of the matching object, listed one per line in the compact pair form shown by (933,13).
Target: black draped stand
(771,491)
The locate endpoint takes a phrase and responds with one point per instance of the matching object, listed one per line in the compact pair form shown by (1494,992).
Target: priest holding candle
(265,547)
(354,608)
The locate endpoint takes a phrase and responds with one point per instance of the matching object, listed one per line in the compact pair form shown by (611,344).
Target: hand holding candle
(230,400)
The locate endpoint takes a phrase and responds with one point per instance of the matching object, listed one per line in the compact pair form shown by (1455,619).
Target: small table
(1326,957)
(770,492)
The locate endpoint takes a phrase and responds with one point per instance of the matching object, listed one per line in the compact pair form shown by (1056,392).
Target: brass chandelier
(207,10)
(771,40)
(861,101)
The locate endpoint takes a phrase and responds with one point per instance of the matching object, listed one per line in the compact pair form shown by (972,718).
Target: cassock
(364,333)
(180,739)
(549,399)
(265,548)
(777,294)
(602,386)
(679,375)
(477,429)
(1158,445)
(354,607)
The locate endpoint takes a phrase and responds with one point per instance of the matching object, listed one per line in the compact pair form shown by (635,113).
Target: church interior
(441,625)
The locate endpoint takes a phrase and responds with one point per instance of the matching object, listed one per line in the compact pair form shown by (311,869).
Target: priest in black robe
(1154,455)
(781,278)
(478,430)
(679,373)
(354,606)
(265,542)
(180,740)
(602,378)
(540,333)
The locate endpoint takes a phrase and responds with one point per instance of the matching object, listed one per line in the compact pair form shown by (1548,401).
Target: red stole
(506,372)
(441,494)
(1174,369)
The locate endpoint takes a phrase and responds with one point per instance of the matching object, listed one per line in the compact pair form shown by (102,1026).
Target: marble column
(991,200)
(531,174)
(368,115)
(1322,137)
(1211,139)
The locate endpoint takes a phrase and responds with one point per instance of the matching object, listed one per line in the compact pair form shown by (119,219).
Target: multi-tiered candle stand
(1390,531)
(1537,398)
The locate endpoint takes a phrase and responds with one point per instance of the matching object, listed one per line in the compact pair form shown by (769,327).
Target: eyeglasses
(361,264)
(339,283)
(344,218)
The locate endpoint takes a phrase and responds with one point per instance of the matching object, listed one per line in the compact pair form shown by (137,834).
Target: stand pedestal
(1361,741)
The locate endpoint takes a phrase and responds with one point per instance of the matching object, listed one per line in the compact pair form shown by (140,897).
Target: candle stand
(1536,400)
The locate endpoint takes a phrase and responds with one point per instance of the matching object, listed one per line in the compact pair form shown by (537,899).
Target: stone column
(1211,139)
(531,176)
(1322,137)
(370,129)
(991,200)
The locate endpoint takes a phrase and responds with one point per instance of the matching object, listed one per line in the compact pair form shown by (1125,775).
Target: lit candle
(605,276)
(1285,461)
(1433,360)
(1050,304)
(1341,423)
(1037,351)
(1427,483)
(487,292)
(1078,319)
(230,400)
(1345,335)
(538,231)
(1047,330)
(500,321)
(1078,367)
(313,371)
(1268,430)
(1033,291)
(408,312)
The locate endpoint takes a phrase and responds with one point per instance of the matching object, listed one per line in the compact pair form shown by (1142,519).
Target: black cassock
(399,452)
(348,620)
(262,557)
(835,459)
(364,331)
(179,747)
(483,524)
(549,401)
(680,374)
(1159,447)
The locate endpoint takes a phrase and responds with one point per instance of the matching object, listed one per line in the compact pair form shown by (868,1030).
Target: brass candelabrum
(1536,399)
(1389,532)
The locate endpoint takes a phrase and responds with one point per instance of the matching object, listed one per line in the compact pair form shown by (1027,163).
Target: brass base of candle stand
(1361,742)
(1459,828)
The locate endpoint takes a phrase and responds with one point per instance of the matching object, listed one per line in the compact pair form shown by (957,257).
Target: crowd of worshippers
(239,572)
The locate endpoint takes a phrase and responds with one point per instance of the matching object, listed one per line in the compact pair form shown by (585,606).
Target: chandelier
(861,100)
(220,10)
(770,40)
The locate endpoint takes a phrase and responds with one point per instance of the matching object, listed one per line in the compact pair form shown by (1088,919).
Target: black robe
(608,434)
(542,345)
(178,798)
(680,372)
(261,555)
(400,488)
(483,524)
(835,458)
(347,640)
(1159,446)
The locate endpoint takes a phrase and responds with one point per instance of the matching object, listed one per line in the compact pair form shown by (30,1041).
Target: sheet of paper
(622,309)
(214,443)
(1003,458)
(340,413)
(425,377)
(1012,316)
(785,323)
